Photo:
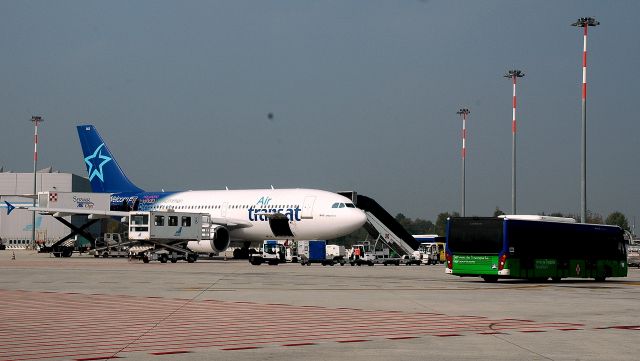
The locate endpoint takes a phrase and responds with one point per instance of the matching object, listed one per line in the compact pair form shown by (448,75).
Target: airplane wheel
(163,258)
(145,259)
(191,259)
(174,260)
(105,255)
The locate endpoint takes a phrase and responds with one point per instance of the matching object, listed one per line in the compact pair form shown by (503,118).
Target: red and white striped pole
(513,74)
(463,112)
(35,120)
(584,23)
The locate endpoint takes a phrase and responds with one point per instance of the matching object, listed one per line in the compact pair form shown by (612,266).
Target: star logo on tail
(95,162)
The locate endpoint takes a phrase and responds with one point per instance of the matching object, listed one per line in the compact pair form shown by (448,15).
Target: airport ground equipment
(534,247)
(384,228)
(271,252)
(633,255)
(112,245)
(275,252)
(428,253)
(168,233)
(65,204)
(337,254)
(313,251)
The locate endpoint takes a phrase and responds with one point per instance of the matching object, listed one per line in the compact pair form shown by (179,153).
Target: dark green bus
(534,247)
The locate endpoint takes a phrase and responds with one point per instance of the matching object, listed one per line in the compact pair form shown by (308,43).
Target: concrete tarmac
(83,308)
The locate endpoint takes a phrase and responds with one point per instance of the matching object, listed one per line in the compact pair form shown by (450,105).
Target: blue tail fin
(105,174)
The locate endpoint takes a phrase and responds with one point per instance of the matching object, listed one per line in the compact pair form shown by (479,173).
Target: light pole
(513,74)
(35,120)
(584,23)
(463,112)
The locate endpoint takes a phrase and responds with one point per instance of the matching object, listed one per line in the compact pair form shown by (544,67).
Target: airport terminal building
(16,228)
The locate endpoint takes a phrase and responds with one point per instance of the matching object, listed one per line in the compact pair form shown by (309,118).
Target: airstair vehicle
(384,228)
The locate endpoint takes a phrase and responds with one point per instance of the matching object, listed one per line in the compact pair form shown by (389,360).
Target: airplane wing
(26,195)
(231,223)
(64,212)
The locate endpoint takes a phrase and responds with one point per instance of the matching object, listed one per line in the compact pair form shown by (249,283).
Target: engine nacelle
(219,242)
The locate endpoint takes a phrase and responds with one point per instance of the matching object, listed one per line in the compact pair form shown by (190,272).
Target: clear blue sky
(364,95)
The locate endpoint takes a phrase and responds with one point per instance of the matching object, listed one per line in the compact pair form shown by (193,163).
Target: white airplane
(238,215)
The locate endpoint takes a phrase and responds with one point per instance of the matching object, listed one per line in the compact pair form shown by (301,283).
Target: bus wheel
(555,279)
(600,278)
(490,278)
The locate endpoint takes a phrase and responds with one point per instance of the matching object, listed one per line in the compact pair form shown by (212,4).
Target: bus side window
(159,221)
(186,221)
(173,221)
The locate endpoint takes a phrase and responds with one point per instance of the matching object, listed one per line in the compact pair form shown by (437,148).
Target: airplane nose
(360,217)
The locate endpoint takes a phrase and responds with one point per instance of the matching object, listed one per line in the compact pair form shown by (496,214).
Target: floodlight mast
(513,74)
(463,112)
(584,23)
(35,120)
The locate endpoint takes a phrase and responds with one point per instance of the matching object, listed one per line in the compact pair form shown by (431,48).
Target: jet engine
(218,243)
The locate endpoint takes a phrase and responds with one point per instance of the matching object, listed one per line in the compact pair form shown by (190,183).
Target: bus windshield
(475,235)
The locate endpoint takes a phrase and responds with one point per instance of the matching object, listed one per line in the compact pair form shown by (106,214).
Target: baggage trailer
(313,251)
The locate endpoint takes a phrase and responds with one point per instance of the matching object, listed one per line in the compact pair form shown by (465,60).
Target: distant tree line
(423,226)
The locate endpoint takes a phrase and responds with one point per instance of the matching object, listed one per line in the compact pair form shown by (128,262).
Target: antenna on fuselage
(272,187)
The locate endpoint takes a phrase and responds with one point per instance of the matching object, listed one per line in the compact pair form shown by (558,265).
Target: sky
(363,95)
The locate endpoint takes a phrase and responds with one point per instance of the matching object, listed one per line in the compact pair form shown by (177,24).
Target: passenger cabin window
(159,221)
(173,221)
(186,221)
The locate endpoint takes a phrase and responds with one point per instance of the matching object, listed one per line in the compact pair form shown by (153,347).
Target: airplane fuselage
(250,214)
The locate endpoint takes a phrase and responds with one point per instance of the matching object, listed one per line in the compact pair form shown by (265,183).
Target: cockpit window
(343,205)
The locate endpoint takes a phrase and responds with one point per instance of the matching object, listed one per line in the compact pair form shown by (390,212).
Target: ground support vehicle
(112,245)
(313,251)
(272,252)
(535,248)
(409,260)
(163,235)
(429,253)
(633,256)
(378,253)
(336,254)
